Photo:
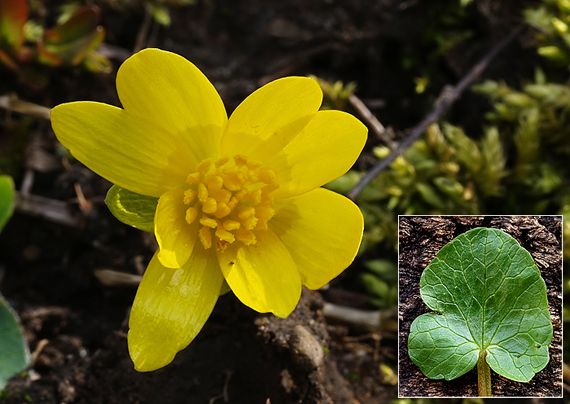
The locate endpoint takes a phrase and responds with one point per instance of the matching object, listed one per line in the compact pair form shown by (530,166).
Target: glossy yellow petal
(126,151)
(326,149)
(165,89)
(171,307)
(263,276)
(174,235)
(270,117)
(322,231)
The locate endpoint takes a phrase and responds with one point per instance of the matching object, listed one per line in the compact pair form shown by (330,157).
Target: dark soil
(421,238)
(76,327)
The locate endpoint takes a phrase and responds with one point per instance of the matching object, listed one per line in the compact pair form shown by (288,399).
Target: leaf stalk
(484,375)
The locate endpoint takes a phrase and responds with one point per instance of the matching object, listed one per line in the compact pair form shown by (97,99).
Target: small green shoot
(7,196)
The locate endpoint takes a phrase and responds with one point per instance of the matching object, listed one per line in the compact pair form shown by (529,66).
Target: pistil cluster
(230,198)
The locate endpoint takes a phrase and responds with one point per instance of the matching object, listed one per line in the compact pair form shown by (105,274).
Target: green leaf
(14,353)
(491,297)
(6,199)
(160,14)
(131,208)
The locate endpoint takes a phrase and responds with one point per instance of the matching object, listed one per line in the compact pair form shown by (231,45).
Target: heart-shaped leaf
(131,208)
(14,354)
(491,298)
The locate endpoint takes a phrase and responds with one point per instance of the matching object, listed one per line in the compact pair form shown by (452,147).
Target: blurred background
(69,269)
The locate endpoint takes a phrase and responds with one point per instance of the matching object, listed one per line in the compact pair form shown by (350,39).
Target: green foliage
(537,121)
(335,95)
(14,353)
(7,196)
(491,298)
(381,282)
(131,208)
(517,165)
(551,21)
(72,42)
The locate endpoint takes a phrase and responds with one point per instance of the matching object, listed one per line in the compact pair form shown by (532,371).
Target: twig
(12,103)
(435,114)
(84,204)
(51,209)
(34,356)
(108,277)
(114,52)
(224,393)
(371,120)
(27,182)
(368,320)
(143,30)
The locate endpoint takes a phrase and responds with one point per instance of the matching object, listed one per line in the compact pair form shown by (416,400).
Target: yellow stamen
(225,235)
(245,236)
(191,214)
(266,175)
(208,222)
(205,237)
(249,222)
(245,212)
(255,197)
(221,195)
(230,225)
(232,196)
(193,178)
(189,196)
(210,206)
(202,192)
(223,210)
(203,165)
(214,183)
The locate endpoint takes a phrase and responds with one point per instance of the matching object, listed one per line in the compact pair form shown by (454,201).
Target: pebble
(307,351)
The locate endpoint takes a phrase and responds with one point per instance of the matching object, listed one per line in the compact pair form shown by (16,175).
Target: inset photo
(480,306)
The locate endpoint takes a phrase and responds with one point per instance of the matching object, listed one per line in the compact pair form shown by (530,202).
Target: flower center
(230,198)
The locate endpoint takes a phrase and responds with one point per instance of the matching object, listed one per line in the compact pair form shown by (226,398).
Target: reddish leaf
(80,24)
(13,16)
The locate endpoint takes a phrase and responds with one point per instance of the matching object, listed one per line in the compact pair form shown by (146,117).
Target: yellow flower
(239,198)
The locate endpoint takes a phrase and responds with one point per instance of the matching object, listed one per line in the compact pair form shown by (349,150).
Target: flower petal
(326,149)
(263,276)
(175,237)
(171,307)
(322,230)
(270,117)
(126,151)
(164,88)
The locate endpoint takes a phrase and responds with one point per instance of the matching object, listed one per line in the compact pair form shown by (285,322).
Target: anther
(209,206)
(191,214)
(202,193)
(208,222)
(205,237)
(189,196)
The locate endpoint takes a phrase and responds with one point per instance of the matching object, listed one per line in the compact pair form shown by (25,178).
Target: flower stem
(484,375)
